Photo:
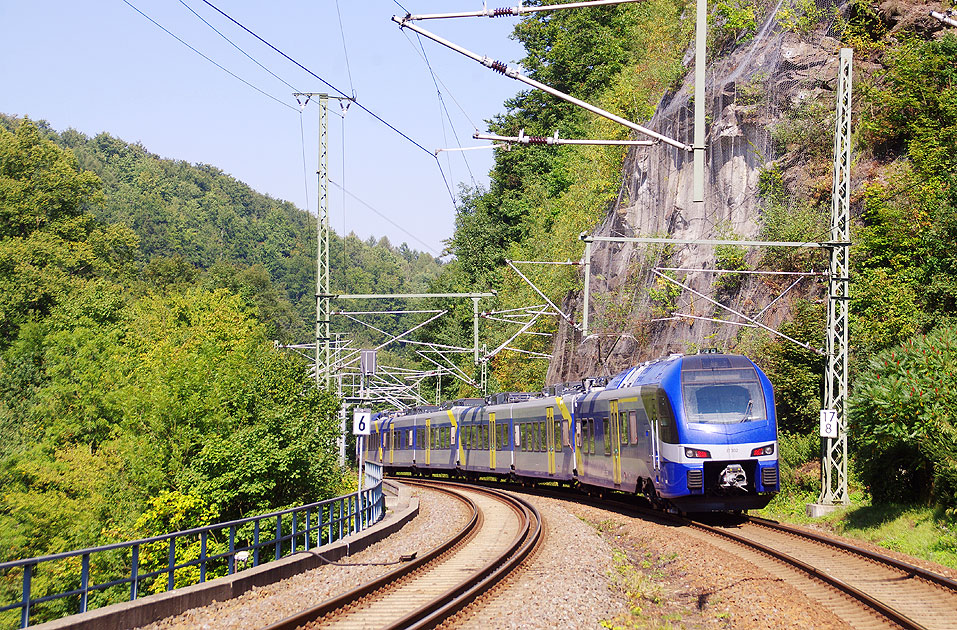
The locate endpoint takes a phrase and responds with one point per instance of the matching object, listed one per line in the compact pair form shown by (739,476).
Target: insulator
(498,66)
(503,11)
(537,140)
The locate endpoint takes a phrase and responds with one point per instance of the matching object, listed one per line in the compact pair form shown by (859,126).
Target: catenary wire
(345,51)
(445,180)
(236,46)
(438,92)
(305,168)
(383,215)
(316,76)
(235,76)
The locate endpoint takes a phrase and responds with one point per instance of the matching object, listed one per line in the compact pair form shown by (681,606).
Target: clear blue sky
(101,66)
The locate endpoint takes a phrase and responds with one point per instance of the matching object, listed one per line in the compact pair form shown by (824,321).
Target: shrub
(902,416)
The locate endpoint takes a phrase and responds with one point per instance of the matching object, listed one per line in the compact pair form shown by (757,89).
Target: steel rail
(878,606)
(886,611)
(900,565)
(365,590)
(457,597)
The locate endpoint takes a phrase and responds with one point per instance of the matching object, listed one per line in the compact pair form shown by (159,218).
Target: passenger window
(538,437)
(558,436)
(622,429)
(633,425)
(591,436)
(607,436)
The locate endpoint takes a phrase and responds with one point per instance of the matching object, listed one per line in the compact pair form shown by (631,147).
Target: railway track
(501,532)
(867,589)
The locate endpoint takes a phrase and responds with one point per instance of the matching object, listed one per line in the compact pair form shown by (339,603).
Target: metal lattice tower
(834,460)
(323,312)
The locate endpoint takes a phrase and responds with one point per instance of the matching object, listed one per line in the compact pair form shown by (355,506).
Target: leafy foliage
(903,412)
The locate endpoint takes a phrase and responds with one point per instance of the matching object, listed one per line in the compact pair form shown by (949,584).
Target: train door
(454,442)
(491,440)
(428,441)
(615,438)
(550,438)
(578,437)
(392,439)
(649,398)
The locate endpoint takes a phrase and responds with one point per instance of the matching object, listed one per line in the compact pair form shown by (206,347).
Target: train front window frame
(722,396)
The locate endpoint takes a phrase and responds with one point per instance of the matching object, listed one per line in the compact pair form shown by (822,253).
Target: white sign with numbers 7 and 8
(361,422)
(829,423)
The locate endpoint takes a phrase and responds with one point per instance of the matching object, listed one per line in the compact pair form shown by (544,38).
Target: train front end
(728,451)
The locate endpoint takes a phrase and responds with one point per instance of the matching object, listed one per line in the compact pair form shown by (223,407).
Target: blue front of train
(725,456)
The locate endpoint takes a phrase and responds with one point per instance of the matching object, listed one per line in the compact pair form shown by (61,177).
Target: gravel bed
(602,569)
(439,517)
(564,586)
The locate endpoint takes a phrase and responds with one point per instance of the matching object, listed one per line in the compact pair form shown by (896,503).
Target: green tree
(904,417)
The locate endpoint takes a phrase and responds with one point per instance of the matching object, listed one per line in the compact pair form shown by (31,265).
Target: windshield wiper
(747,412)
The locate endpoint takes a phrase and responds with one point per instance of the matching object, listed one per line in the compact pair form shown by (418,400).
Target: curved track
(867,589)
(501,533)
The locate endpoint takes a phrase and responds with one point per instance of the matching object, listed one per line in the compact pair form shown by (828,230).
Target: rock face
(634,313)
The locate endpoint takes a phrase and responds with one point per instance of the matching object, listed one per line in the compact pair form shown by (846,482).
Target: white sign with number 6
(362,422)
(829,423)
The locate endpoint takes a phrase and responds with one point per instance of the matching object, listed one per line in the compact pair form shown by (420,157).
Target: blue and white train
(692,433)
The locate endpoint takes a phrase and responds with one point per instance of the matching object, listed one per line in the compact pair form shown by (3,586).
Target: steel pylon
(834,456)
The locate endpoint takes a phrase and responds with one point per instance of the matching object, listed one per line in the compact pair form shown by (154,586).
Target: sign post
(361,427)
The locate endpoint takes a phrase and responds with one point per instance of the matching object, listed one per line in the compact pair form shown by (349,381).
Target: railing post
(256,543)
(278,536)
(134,572)
(84,582)
(170,582)
(25,611)
(331,514)
(202,556)
(295,531)
(308,529)
(231,559)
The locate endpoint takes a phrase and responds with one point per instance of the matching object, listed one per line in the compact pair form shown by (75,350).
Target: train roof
(653,371)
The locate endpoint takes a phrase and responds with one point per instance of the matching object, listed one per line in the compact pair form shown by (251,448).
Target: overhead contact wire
(237,47)
(184,43)
(317,77)
(345,51)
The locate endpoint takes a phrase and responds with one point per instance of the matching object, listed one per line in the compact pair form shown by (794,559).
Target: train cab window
(722,396)
(607,436)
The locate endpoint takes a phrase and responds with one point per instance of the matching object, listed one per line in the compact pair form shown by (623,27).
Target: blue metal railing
(296,528)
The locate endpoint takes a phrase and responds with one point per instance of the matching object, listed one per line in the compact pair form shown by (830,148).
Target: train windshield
(722,396)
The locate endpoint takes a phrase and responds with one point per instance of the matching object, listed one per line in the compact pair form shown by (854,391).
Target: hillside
(196,223)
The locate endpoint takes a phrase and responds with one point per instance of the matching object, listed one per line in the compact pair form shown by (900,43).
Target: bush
(902,415)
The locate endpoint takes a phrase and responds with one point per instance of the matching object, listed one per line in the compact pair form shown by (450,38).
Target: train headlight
(696,453)
(763,450)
